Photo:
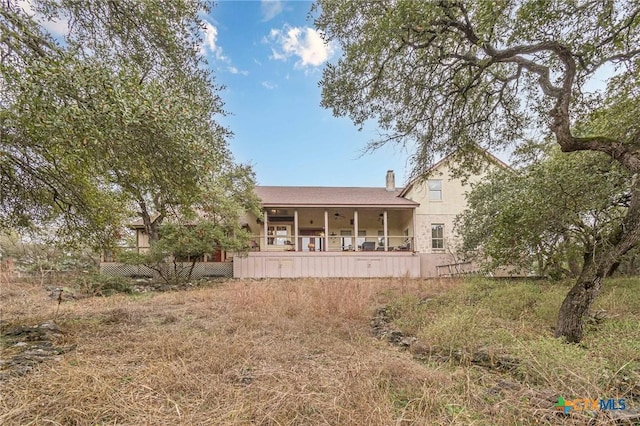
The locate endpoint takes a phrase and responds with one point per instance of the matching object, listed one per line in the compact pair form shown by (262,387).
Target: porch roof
(324,196)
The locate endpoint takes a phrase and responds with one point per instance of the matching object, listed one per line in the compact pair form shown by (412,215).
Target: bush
(103,285)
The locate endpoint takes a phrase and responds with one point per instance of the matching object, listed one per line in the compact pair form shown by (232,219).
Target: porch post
(355,229)
(295,229)
(386,231)
(326,231)
(414,242)
(266,219)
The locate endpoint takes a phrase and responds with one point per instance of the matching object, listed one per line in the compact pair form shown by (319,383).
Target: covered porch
(340,229)
(331,232)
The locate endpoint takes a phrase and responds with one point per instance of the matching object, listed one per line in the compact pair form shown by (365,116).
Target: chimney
(391,181)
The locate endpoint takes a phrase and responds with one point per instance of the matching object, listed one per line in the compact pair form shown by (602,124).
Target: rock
(407,341)
(504,386)
(395,336)
(60,294)
(36,346)
(50,327)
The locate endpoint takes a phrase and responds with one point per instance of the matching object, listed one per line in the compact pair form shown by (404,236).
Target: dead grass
(271,352)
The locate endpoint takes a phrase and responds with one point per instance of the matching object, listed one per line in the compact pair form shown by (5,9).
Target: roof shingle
(315,196)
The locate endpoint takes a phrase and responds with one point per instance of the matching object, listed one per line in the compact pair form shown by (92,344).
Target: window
(435,190)
(281,233)
(437,236)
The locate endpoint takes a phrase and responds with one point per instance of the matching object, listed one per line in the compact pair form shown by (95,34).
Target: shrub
(103,285)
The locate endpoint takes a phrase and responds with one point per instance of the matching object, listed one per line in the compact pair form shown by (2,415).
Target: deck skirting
(327,264)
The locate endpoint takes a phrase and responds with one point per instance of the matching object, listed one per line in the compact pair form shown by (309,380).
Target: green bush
(103,285)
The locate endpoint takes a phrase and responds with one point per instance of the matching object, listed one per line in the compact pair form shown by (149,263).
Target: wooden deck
(327,264)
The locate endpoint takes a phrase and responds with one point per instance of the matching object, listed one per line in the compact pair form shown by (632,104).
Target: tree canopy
(544,217)
(447,75)
(115,119)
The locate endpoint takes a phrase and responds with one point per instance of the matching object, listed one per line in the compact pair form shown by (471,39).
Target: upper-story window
(435,189)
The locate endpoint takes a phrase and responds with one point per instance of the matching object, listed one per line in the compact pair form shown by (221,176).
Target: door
(310,240)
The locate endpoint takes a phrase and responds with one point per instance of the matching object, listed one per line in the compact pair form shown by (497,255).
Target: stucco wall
(444,211)
(430,261)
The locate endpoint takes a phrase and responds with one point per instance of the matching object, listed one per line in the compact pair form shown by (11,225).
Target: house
(350,231)
(214,264)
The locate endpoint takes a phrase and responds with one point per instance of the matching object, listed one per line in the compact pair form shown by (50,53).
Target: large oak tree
(114,119)
(446,75)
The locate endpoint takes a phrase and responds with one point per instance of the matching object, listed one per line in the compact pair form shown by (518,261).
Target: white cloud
(269,85)
(210,40)
(210,46)
(304,43)
(270,9)
(234,70)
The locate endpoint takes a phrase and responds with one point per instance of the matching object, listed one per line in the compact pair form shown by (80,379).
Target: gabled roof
(323,196)
(489,156)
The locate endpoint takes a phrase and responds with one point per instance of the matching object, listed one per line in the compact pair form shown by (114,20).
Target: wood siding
(326,264)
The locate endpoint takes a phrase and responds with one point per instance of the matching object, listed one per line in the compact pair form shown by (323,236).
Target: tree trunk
(575,306)
(151,225)
(577,303)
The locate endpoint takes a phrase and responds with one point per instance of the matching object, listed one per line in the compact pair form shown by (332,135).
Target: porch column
(325,246)
(414,246)
(295,230)
(386,231)
(266,219)
(355,229)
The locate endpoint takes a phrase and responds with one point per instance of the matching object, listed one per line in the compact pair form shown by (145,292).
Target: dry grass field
(302,352)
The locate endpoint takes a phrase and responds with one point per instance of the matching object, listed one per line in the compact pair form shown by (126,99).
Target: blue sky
(270,58)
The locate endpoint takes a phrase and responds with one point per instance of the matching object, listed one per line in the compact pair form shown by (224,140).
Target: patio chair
(405,246)
(368,246)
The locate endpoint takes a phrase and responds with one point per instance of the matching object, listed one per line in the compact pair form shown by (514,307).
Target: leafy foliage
(102,285)
(174,255)
(116,121)
(31,255)
(441,76)
(548,214)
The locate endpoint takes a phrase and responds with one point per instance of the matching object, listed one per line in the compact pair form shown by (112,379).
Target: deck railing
(332,243)
(456,269)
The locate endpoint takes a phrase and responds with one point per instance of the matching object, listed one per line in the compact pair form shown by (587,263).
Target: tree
(116,120)
(446,75)
(546,216)
(175,254)
(33,256)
